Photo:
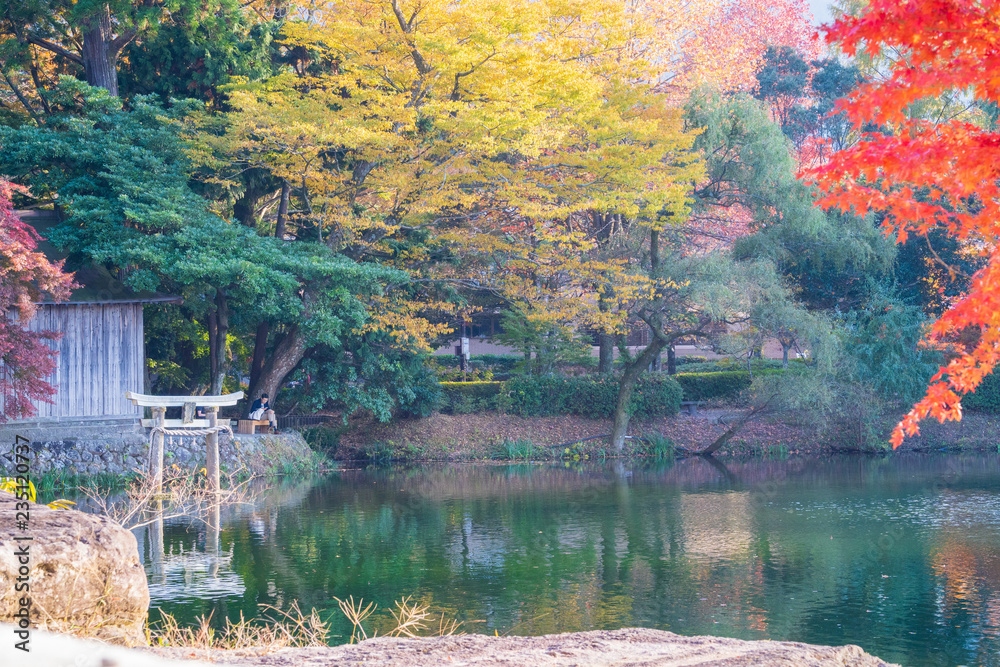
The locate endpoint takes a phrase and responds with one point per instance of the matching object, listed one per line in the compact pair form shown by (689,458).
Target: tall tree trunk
(640,363)
(606,352)
(786,345)
(259,354)
(213,344)
(625,387)
(605,341)
(219,365)
(290,350)
(279,227)
(99,54)
(260,336)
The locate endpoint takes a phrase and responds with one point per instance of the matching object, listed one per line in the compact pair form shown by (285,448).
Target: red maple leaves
(925,173)
(26,277)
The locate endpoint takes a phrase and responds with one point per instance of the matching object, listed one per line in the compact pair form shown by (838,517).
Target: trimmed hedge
(720,384)
(987,396)
(689,359)
(587,396)
(654,395)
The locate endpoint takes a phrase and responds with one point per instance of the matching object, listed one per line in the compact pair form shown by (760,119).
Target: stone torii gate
(187,425)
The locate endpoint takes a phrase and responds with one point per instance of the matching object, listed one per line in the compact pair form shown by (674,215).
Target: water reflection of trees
(808,550)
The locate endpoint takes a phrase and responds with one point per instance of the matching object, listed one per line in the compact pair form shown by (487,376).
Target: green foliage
(468,397)
(122,179)
(575,452)
(803,95)
(933,270)
(322,438)
(176,349)
(503,363)
(882,340)
(549,344)
(690,359)
(656,446)
(748,161)
(986,397)
(831,82)
(592,397)
(726,364)
(826,257)
(378,453)
(193,56)
(715,385)
(519,450)
(366,373)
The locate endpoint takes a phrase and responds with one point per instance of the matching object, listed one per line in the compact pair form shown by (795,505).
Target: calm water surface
(900,555)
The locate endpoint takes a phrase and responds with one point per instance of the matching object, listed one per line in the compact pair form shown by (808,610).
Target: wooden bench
(249,426)
(691,407)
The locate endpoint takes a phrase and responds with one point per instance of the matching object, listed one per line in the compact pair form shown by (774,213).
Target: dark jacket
(258,404)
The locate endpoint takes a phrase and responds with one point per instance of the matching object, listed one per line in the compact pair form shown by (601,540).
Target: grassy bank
(498,436)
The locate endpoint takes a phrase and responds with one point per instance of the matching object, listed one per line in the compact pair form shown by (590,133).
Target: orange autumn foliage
(720,43)
(925,174)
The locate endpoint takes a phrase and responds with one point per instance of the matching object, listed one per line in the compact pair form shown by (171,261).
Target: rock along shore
(633,646)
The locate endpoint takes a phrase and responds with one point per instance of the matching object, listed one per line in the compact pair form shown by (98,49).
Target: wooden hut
(101,351)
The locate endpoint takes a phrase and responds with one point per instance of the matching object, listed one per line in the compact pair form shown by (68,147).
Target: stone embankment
(121,446)
(80,572)
(636,646)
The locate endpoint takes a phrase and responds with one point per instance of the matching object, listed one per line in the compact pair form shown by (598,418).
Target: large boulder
(84,573)
(597,648)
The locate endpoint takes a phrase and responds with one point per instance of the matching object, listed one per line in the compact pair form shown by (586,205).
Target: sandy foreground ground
(622,648)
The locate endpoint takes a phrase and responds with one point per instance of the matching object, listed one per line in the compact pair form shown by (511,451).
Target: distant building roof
(97,284)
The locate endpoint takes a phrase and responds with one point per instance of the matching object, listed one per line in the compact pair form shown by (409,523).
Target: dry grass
(278,629)
(183,493)
(410,619)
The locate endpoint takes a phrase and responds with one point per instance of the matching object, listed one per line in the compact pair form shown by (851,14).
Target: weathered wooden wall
(101,356)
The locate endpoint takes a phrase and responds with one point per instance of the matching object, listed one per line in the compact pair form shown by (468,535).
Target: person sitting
(261,409)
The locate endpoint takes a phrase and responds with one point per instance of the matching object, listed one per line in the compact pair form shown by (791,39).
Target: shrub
(519,450)
(464,397)
(424,395)
(587,396)
(500,362)
(720,384)
(322,438)
(725,384)
(689,359)
(987,396)
(656,446)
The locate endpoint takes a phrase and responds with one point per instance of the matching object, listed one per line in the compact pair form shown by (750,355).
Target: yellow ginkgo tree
(493,129)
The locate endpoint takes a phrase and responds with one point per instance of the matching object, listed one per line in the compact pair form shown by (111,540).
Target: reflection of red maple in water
(926,174)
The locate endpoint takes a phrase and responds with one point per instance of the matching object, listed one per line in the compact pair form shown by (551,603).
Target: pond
(899,554)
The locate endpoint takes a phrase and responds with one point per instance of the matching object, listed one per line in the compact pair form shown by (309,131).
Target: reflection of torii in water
(195,573)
